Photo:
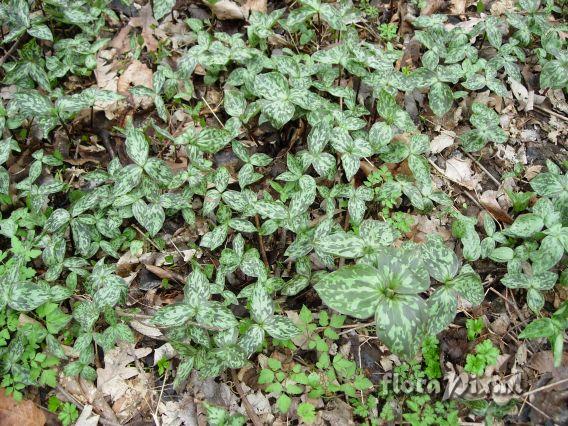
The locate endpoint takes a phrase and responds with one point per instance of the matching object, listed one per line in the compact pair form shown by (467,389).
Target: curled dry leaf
(458,7)
(489,200)
(459,171)
(87,418)
(22,413)
(137,74)
(227,9)
(111,380)
(144,20)
(442,141)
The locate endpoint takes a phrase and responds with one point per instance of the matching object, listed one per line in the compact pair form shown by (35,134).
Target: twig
(495,180)
(543,109)
(155,415)
(471,197)
(253,417)
(261,243)
(71,398)
(559,382)
(11,50)
(146,238)
(213,112)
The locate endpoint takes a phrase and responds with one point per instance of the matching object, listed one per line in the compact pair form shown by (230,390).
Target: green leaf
(234,102)
(283,403)
(341,244)
(57,220)
(27,296)
(441,262)
(136,145)
(442,308)
(440,98)
(278,112)
(280,328)
(127,179)
(265,376)
(40,31)
(215,238)
(554,74)
(306,412)
(401,323)
(216,315)
(469,285)
(173,315)
(262,308)
(541,327)
(525,226)
(352,290)
(150,216)
(162,7)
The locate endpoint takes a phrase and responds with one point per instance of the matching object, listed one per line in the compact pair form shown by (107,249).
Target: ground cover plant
(266,212)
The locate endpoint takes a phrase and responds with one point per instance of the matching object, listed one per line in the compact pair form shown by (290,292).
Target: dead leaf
(227,9)
(499,210)
(111,380)
(22,413)
(459,171)
(458,7)
(137,74)
(146,21)
(442,141)
(87,418)
(145,329)
(178,413)
(165,351)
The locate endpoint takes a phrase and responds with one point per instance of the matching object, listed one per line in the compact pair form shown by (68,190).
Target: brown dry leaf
(137,74)
(23,413)
(111,380)
(442,141)
(543,362)
(87,418)
(460,172)
(146,21)
(178,413)
(489,200)
(432,7)
(227,9)
(127,386)
(458,7)
(256,5)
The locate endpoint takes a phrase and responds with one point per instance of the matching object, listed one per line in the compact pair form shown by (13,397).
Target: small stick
(559,382)
(213,112)
(484,169)
(253,417)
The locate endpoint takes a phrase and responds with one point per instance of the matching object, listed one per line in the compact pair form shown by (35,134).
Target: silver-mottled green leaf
(401,323)
(341,244)
(352,290)
(57,220)
(262,307)
(442,307)
(214,314)
(150,216)
(280,328)
(27,296)
(174,315)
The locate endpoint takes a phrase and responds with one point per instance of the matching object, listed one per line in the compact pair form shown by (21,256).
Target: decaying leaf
(460,171)
(23,413)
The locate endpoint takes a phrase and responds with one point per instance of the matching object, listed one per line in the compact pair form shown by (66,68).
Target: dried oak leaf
(23,413)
